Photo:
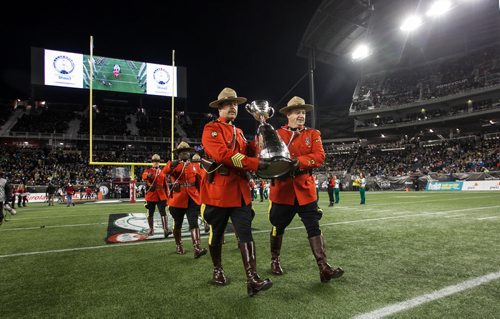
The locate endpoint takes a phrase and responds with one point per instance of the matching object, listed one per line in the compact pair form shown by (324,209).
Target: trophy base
(278,166)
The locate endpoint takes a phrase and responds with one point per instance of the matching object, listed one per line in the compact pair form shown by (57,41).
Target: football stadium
(373,194)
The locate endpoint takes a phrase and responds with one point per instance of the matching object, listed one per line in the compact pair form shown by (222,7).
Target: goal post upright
(132,165)
(91,65)
(172,109)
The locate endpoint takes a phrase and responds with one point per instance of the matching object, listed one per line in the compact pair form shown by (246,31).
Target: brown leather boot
(275,255)
(219,278)
(164,223)
(151,226)
(195,236)
(178,242)
(326,272)
(254,282)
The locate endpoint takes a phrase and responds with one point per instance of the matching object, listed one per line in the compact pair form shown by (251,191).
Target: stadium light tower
(411,23)
(438,8)
(361,52)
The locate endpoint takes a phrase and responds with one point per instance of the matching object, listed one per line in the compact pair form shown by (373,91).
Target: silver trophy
(270,146)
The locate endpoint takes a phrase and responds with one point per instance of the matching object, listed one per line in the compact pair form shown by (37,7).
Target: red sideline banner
(42,197)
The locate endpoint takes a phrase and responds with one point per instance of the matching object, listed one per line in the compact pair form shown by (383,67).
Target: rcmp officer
(295,193)
(224,189)
(196,160)
(156,195)
(184,196)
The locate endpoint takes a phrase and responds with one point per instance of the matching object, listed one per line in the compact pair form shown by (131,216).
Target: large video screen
(72,70)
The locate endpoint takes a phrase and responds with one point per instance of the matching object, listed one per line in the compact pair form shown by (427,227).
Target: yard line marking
(453,216)
(254,232)
(491,217)
(54,226)
(63,216)
(85,248)
(437,294)
(430,200)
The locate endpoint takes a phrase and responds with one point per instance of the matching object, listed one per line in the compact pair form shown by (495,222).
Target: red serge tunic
(186,174)
(155,187)
(226,144)
(304,145)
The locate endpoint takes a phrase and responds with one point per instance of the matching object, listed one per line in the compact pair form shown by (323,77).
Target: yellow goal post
(132,165)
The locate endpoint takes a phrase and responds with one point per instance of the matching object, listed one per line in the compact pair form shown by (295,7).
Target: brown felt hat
(296,103)
(227,95)
(183,147)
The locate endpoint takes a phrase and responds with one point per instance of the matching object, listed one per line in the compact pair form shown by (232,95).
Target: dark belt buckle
(223,170)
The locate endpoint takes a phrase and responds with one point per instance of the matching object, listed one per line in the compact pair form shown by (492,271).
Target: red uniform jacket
(331,183)
(187,175)
(156,192)
(304,145)
(226,144)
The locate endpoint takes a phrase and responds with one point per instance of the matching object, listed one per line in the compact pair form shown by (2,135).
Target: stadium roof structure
(338,26)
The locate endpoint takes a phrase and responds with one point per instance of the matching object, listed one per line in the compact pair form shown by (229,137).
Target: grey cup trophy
(270,146)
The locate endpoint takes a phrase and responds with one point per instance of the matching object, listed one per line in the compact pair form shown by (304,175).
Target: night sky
(247,45)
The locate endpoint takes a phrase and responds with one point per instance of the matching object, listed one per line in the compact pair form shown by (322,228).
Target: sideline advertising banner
(444,186)
(481,185)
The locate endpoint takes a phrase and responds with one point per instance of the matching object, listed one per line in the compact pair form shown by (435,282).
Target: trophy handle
(271,113)
(249,109)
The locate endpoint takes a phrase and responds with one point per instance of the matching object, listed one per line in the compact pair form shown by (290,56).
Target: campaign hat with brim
(296,103)
(227,95)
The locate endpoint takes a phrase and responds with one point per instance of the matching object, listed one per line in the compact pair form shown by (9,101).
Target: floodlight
(411,23)
(438,8)
(360,52)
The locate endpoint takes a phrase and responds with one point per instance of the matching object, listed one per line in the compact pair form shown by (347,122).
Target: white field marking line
(453,216)
(433,200)
(435,295)
(413,202)
(410,196)
(491,217)
(87,248)
(255,232)
(62,216)
(399,216)
(54,226)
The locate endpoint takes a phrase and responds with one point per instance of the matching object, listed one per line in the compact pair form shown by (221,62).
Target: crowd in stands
(38,166)
(107,120)
(427,114)
(194,122)
(462,155)
(53,119)
(476,69)
(153,122)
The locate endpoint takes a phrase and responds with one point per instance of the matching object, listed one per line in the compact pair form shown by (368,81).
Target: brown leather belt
(187,184)
(300,172)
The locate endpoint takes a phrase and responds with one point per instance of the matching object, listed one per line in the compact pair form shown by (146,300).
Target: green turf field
(127,82)
(397,247)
